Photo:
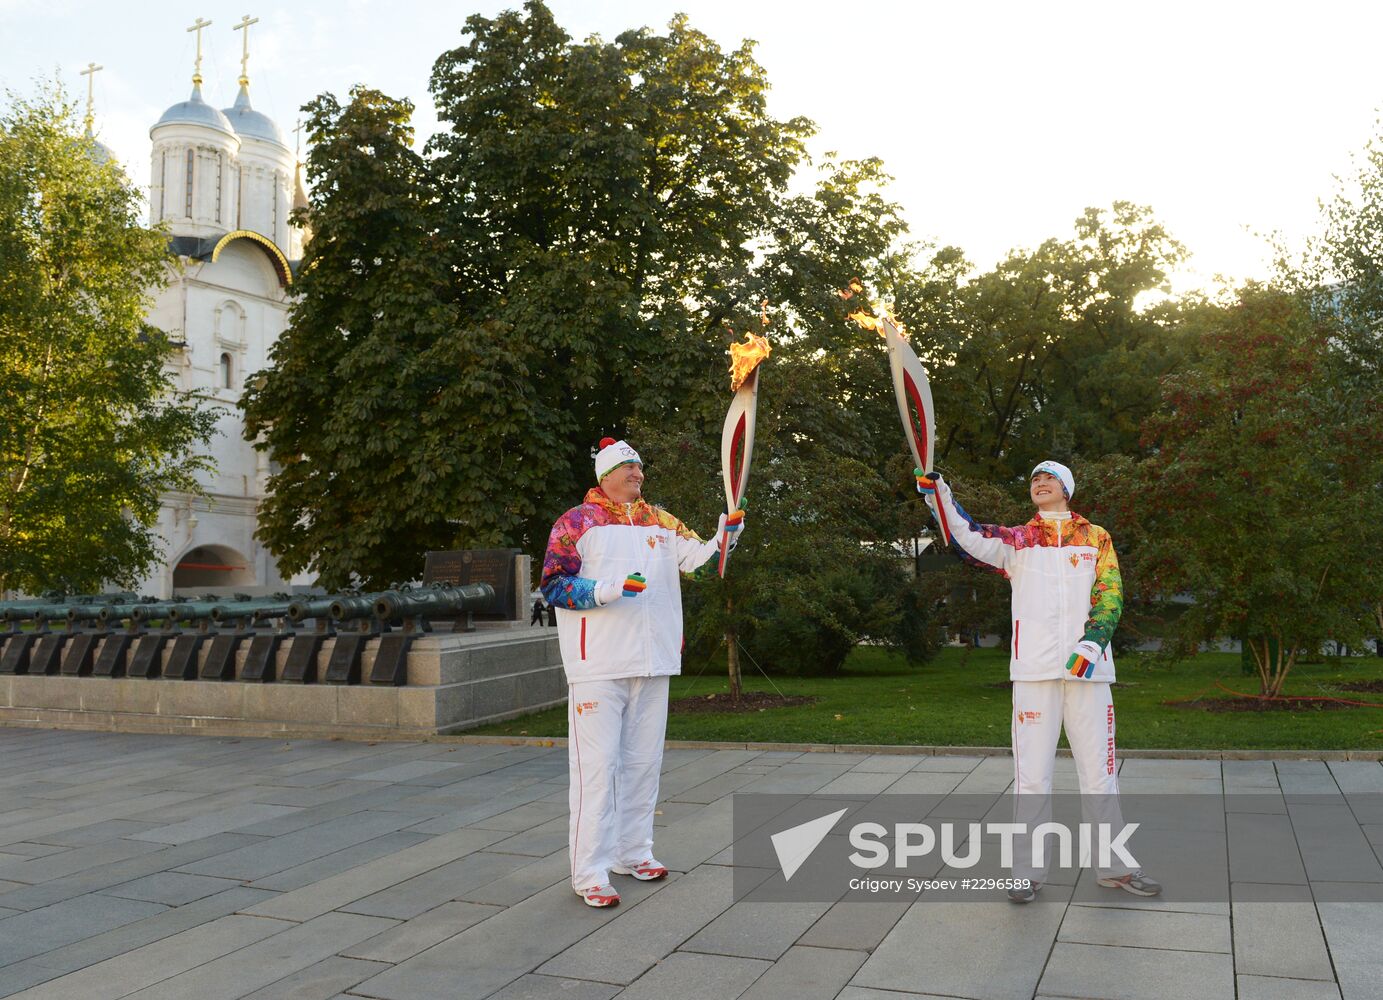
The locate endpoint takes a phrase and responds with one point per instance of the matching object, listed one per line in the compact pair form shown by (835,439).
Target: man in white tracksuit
(612,572)
(1067,599)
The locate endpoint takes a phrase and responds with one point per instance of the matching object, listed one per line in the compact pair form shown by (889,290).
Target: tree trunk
(732,653)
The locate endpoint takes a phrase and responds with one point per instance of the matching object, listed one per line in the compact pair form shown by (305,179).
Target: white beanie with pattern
(613,454)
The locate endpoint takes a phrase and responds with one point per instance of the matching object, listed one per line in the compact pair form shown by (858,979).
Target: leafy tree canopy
(92,430)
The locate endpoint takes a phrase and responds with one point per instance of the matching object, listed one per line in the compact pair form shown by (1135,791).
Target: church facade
(224,182)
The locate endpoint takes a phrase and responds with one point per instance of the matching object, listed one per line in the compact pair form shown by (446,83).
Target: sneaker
(644,871)
(1024,894)
(599,895)
(1135,882)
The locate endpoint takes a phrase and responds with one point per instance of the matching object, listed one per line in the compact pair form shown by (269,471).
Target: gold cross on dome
(244,25)
(90,73)
(197,68)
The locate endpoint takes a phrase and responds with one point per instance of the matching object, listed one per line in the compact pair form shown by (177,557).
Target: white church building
(224,182)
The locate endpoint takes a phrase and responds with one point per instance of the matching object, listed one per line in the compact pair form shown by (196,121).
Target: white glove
(631,586)
(1083,659)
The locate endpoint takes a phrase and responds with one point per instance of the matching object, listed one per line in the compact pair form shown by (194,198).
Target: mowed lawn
(957,700)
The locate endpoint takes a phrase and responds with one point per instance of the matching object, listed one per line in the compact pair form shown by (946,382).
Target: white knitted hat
(1068,481)
(613,454)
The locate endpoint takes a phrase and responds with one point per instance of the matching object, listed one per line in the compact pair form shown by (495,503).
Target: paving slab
(1088,970)
(1143,928)
(292,949)
(171,888)
(221,821)
(422,932)
(142,967)
(280,853)
(1279,939)
(322,981)
(536,987)
(854,924)
(698,977)
(37,931)
(339,861)
(961,956)
(492,954)
(1352,931)
(807,974)
(1263,988)
(338,890)
(630,944)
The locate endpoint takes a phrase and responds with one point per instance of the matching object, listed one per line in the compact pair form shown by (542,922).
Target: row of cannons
(115,635)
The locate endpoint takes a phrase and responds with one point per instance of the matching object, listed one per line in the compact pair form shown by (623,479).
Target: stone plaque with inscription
(493,566)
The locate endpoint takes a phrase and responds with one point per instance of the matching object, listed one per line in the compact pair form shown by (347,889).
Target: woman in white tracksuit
(612,572)
(1067,599)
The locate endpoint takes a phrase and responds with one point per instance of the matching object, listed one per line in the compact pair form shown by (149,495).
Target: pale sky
(1000,121)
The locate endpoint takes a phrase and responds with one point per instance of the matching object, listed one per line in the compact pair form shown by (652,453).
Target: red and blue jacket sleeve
(562,584)
(988,546)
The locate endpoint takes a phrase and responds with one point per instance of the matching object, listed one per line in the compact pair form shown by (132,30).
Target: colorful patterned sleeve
(563,585)
(986,546)
(1107,596)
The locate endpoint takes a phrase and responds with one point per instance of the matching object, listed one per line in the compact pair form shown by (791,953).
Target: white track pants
(1086,710)
(614,755)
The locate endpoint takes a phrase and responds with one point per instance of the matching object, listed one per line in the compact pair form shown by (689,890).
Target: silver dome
(253,124)
(195,111)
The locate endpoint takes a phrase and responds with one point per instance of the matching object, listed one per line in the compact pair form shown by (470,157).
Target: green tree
(1052,354)
(820,568)
(1261,499)
(558,264)
(92,429)
(1342,272)
(352,404)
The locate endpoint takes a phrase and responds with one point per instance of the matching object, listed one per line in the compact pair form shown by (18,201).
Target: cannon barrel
(309,607)
(105,614)
(434,601)
(189,611)
(223,613)
(346,609)
(37,612)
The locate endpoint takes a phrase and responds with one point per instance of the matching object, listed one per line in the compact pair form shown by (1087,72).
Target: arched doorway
(212,566)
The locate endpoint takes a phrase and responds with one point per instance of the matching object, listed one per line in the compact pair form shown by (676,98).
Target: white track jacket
(601,540)
(1066,586)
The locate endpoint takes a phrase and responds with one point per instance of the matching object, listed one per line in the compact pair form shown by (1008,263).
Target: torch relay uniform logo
(875,844)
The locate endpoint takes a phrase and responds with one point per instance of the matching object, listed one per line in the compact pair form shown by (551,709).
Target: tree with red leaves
(1261,500)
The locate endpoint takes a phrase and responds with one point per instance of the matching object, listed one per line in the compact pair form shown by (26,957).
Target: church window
(226,371)
(187,206)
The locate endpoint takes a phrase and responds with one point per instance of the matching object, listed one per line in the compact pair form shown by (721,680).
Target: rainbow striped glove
(609,591)
(926,482)
(1082,661)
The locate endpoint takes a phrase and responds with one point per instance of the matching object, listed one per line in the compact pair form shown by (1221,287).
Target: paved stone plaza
(178,867)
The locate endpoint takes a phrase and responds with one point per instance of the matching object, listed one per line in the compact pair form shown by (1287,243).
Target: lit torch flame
(871,322)
(745,358)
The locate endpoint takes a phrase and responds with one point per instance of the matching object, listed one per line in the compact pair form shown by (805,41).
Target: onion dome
(195,111)
(251,124)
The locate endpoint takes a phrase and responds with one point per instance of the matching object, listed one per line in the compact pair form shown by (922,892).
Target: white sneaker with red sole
(644,871)
(599,895)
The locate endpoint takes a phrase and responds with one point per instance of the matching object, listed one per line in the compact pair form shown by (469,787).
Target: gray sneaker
(1026,894)
(1135,882)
